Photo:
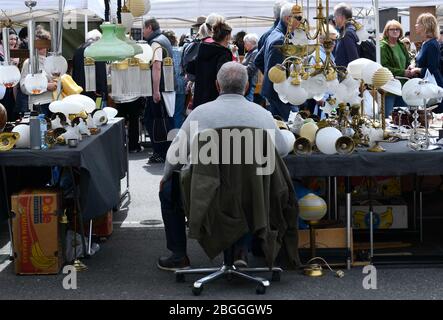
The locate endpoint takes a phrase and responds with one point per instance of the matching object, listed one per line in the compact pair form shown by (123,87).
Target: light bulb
(326,138)
(9,75)
(36,83)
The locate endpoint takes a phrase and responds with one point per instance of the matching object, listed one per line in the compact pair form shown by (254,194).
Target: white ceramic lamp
(55,65)
(308,131)
(24,141)
(36,83)
(87,103)
(9,76)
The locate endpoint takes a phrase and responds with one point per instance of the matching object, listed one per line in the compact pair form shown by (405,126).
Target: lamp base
(376,148)
(79,266)
(313,270)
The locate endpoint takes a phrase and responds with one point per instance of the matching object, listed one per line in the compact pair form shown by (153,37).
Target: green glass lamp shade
(120,32)
(109,47)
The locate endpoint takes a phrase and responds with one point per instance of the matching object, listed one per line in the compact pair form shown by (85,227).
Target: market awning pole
(377,32)
(86,27)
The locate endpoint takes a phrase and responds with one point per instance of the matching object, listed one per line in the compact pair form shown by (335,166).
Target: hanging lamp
(109,47)
(120,32)
(139,8)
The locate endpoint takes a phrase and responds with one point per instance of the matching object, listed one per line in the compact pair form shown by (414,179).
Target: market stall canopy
(48,9)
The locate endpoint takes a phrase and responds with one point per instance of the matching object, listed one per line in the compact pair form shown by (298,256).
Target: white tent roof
(180,13)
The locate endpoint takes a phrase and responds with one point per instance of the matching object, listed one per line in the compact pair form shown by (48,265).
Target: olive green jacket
(388,59)
(224,202)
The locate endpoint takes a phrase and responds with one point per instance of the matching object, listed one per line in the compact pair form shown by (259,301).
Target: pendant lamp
(109,47)
(139,8)
(9,74)
(120,33)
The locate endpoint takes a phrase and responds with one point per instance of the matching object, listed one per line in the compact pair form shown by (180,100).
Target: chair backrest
(237,183)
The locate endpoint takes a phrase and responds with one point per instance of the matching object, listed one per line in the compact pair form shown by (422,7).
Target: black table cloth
(101,158)
(398,160)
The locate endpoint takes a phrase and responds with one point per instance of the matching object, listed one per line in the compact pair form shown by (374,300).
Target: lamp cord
(119,11)
(338,273)
(107,10)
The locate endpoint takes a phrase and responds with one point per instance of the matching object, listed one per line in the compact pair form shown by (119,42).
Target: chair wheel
(180,277)
(197,291)
(275,276)
(261,289)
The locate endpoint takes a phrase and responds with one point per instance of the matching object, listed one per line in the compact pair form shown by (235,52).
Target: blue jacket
(346,49)
(428,58)
(265,35)
(268,57)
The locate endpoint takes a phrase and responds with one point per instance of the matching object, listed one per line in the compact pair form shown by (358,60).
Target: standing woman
(210,58)
(395,57)
(429,56)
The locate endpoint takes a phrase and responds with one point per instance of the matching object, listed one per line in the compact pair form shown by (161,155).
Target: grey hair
(204,32)
(343,9)
(232,78)
(151,21)
(277,8)
(286,11)
(214,18)
(251,38)
(93,35)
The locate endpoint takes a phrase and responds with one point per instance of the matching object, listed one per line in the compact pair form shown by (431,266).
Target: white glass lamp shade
(299,38)
(66,107)
(139,8)
(289,138)
(24,141)
(393,86)
(147,54)
(36,83)
(411,92)
(315,86)
(9,76)
(350,82)
(341,93)
(55,65)
(127,20)
(369,71)
(332,86)
(308,131)
(87,103)
(295,94)
(362,34)
(356,67)
(111,113)
(280,88)
(312,207)
(326,138)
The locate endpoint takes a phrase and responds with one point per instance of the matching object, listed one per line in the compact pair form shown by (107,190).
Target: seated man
(230,109)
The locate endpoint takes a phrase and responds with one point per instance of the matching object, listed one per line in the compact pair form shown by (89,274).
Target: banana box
(101,226)
(36,233)
(385,216)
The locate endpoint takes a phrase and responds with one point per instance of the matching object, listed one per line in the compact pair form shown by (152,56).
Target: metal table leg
(8,208)
(79,211)
(329,197)
(126,192)
(348,220)
(420,208)
(335,199)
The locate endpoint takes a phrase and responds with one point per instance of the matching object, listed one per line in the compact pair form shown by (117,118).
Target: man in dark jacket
(269,56)
(277,8)
(346,48)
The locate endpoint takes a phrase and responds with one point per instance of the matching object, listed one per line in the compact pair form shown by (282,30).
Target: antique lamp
(9,74)
(312,209)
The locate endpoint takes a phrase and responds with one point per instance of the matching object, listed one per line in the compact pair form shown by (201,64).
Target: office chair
(228,269)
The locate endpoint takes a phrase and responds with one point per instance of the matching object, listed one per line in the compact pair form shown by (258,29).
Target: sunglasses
(298,18)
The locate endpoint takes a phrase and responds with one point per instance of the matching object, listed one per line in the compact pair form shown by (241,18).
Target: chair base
(228,271)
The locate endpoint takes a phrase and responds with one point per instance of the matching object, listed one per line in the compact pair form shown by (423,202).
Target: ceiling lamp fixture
(139,8)
(109,47)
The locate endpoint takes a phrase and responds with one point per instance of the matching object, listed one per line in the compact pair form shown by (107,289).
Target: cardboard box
(36,233)
(385,216)
(101,226)
(324,238)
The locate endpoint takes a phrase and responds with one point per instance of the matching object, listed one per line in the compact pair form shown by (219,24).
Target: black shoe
(241,259)
(156,158)
(138,149)
(173,263)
